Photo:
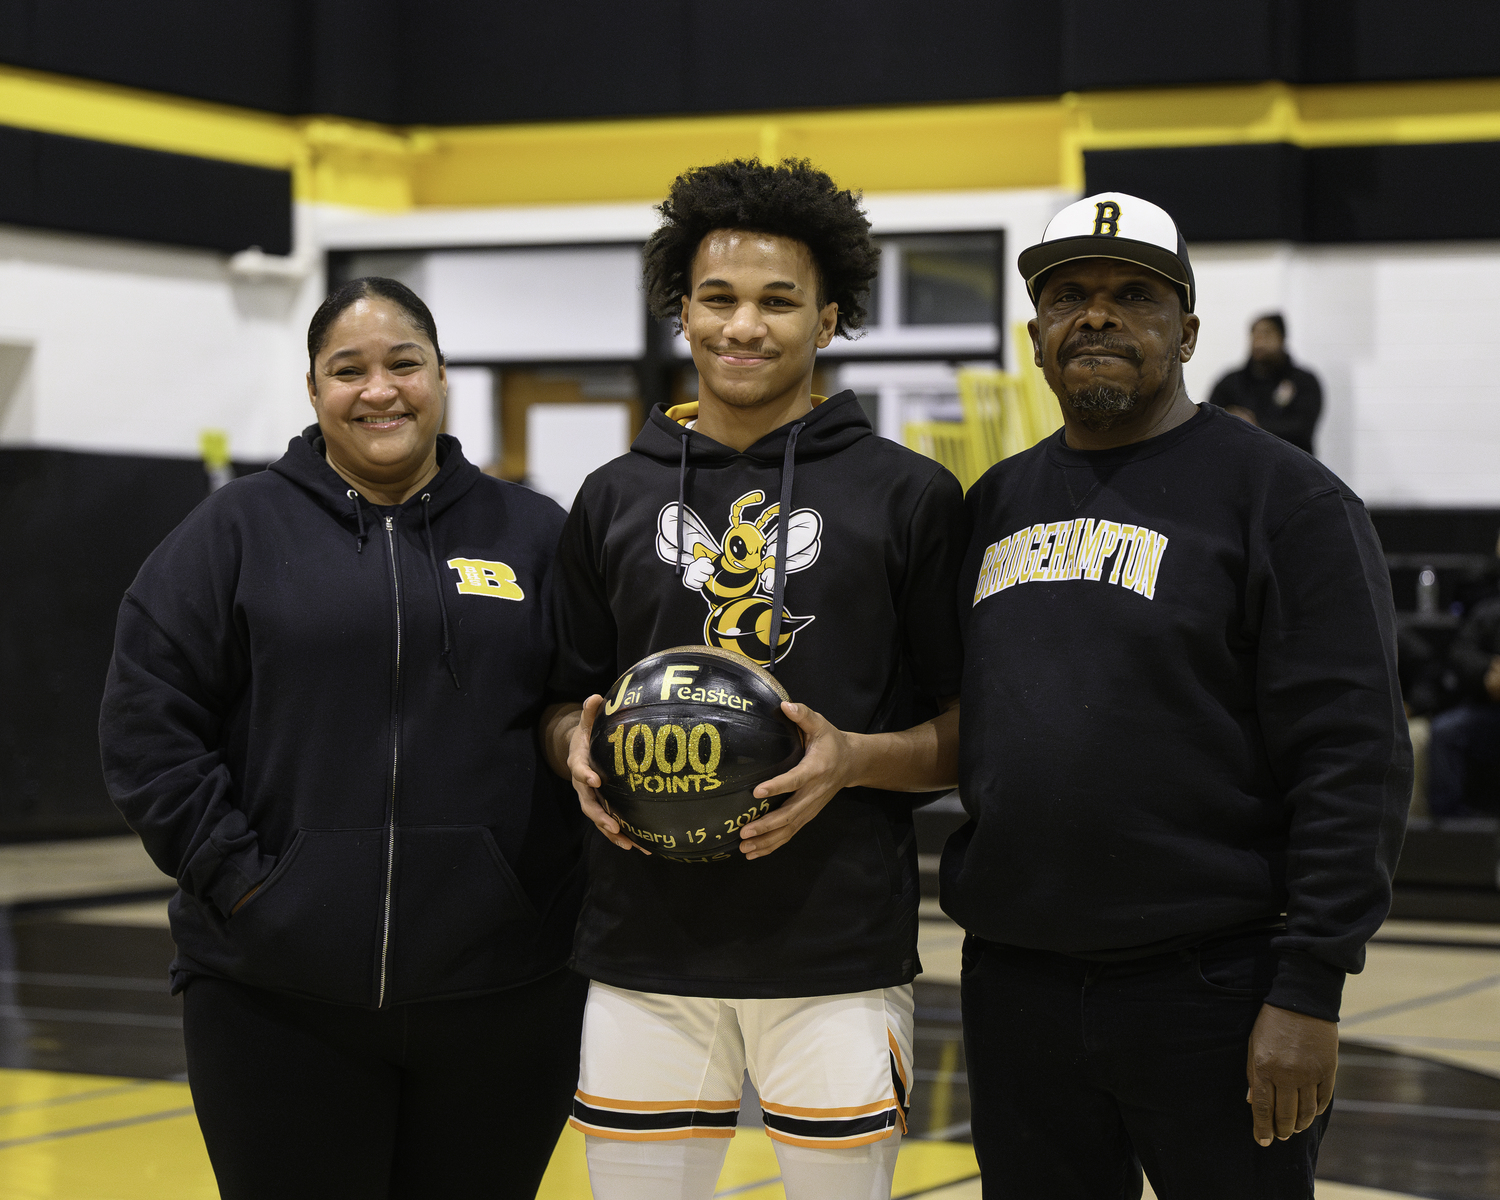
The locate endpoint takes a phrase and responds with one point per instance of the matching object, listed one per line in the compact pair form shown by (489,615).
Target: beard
(1101,406)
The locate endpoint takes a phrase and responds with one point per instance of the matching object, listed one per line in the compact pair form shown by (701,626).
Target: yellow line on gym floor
(97,1127)
(74,1097)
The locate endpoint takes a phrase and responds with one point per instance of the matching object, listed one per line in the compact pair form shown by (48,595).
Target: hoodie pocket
(460,921)
(314,925)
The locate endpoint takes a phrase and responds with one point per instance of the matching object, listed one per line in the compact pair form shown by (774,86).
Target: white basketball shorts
(831,1070)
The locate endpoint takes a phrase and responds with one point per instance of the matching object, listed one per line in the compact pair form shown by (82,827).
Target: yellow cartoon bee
(738,577)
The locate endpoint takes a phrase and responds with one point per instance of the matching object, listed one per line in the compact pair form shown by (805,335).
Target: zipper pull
(389,524)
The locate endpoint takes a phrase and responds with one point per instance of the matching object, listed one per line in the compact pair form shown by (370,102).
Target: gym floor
(94,1103)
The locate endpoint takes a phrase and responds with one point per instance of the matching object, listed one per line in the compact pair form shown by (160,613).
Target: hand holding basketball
(586,779)
(828,765)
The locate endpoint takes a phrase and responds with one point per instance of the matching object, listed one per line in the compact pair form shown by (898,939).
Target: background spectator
(1269,390)
(1465,749)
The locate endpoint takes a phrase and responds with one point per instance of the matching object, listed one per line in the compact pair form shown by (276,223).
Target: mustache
(1082,343)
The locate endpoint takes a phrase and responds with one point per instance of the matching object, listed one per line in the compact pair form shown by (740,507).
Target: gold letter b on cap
(1106,219)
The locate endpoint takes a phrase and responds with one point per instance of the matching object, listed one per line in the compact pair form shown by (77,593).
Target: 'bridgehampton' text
(1103,551)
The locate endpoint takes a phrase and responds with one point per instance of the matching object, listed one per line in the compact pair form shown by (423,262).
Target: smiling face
(1111,338)
(753,318)
(379,389)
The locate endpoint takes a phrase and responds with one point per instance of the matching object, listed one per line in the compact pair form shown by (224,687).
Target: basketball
(684,738)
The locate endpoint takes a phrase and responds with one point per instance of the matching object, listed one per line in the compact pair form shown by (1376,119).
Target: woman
(321,720)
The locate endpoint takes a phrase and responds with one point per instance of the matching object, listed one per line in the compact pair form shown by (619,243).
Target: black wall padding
(1358,41)
(1151,43)
(464,62)
(1404,193)
(93,187)
(1156,43)
(253,53)
(1437,530)
(1215,193)
(461,62)
(677,56)
(1414,193)
(77,528)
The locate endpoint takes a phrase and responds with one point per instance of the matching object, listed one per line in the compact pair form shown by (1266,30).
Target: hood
(833,425)
(305,464)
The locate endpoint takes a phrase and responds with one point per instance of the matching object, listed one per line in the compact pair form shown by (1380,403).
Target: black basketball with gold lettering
(682,740)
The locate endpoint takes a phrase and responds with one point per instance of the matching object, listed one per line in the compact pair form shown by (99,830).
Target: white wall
(139,348)
(117,347)
(1400,336)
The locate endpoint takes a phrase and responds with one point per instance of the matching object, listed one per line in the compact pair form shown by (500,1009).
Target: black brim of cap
(1037,260)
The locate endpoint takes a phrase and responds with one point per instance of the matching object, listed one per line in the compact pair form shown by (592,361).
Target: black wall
(1329,194)
(85,186)
(475,61)
(77,528)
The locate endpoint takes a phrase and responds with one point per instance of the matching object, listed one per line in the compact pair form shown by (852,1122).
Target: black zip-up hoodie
(867,589)
(336,703)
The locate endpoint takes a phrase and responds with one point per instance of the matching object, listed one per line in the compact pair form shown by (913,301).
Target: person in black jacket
(792,956)
(1270,390)
(321,718)
(1465,748)
(1184,758)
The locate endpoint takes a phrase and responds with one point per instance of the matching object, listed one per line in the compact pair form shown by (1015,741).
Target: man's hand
(586,779)
(1291,1064)
(828,764)
(1492,678)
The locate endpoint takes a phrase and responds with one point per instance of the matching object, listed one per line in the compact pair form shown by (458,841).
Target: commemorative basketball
(684,738)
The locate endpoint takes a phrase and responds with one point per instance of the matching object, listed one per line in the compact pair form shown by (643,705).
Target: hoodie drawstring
(783,539)
(437,580)
(359,515)
(681,501)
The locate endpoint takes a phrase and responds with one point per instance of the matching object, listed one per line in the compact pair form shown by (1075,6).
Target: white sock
(843,1173)
(681,1169)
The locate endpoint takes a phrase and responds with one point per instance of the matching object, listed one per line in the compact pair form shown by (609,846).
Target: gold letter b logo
(478,577)
(1106,219)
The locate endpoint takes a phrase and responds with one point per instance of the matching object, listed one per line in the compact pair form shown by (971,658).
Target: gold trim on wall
(947,147)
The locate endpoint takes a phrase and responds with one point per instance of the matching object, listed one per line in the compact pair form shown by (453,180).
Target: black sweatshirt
(1286,400)
(337,703)
(876,543)
(1181,713)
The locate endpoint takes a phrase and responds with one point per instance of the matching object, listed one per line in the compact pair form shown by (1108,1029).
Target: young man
(1184,757)
(794,959)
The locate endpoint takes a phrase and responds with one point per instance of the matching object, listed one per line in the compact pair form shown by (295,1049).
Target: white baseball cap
(1112,225)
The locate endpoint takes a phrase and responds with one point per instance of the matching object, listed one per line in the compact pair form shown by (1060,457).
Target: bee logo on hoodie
(737,576)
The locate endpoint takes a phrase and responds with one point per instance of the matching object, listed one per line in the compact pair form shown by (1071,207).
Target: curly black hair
(792,199)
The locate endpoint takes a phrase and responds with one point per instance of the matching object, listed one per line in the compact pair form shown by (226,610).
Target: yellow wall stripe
(1023,143)
(82,108)
(904,149)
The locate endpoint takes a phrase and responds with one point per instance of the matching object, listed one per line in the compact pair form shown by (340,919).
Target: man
(1464,753)
(793,959)
(1270,390)
(1183,756)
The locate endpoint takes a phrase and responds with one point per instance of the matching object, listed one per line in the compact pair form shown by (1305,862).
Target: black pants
(1081,1072)
(452,1098)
